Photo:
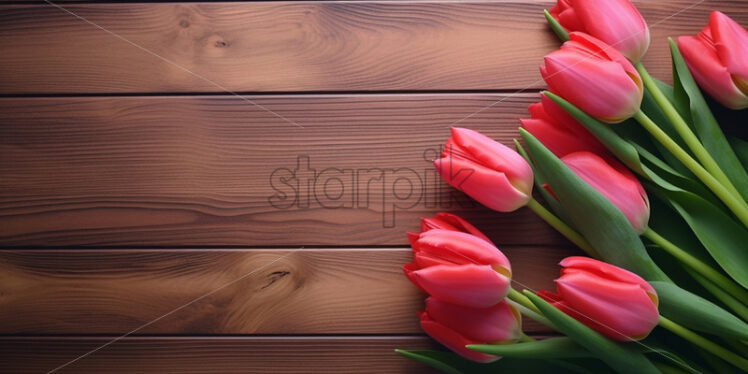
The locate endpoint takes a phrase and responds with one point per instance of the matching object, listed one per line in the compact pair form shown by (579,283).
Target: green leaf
(445,362)
(596,218)
(623,358)
(741,149)
(653,111)
(539,182)
(559,347)
(697,313)
(723,238)
(706,126)
(448,362)
(556,27)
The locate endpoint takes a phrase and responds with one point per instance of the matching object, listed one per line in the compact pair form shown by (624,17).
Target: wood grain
(280,291)
(300,46)
(190,171)
(261,355)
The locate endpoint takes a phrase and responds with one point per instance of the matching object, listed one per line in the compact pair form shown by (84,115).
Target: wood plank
(273,291)
(260,355)
(191,171)
(300,46)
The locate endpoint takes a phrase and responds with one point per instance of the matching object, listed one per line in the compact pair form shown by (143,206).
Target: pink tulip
(456,326)
(458,268)
(559,131)
(448,221)
(488,171)
(615,22)
(595,77)
(718,60)
(616,183)
(612,301)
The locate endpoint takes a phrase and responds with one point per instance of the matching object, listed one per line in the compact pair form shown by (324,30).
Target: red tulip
(718,60)
(448,221)
(615,22)
(488,171)
(616,183)
(456,326)
(458,268)
(612,301)
(559,131)
(595,77)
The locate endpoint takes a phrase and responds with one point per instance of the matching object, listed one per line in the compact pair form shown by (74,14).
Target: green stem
(684,131)
(737,206)
(700,341)
(556,27)
(527,308)
(524,338)
(694,263)
(561,227)
(731,302)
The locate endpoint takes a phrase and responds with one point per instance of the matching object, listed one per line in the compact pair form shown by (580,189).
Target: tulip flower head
(448,221)
(615,22)
(612,301)
(458,268)
(594,77)
(456,326)
(559,131)
(488,171)
(718,60)
(616,183)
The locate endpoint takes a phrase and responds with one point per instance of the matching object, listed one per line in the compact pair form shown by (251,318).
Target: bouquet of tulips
(640,176)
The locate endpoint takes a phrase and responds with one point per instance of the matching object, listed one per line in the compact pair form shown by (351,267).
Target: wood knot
(184,23)
(274,277)
(221,44)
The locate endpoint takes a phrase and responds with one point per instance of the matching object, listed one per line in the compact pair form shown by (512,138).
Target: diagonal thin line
(172,312)
(531,85)
(162,58)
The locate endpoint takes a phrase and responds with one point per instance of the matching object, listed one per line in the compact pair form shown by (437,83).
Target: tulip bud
(718,59)
(488,171)
(456,326)
(594,77)
(458,268)
(616,183)
(612,301)
(615,22)
(448,221)
(559,131)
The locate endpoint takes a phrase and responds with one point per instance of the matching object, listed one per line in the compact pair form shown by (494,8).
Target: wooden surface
(196,170)
(257,355)
(144,221)
(308,291)
(298,46)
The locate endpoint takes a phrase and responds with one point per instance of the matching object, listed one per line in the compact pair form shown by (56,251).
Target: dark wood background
(137,144)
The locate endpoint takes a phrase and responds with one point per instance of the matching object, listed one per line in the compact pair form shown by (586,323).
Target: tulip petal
(477,286)
(452,222)
(618,186)
(731,42)
(602,89)
(604,270)
(618,310)
(499,323)
(489,187)
(496,156)
(558,141)
(458,248)
(710,73)
(615,22)
(453,340)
